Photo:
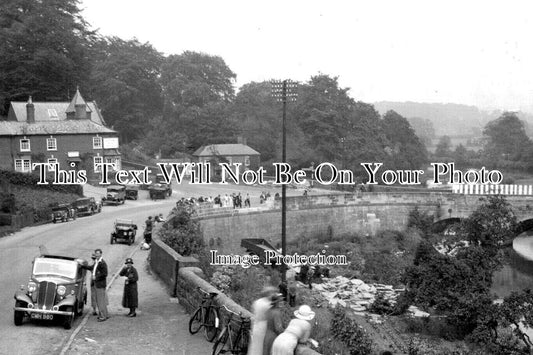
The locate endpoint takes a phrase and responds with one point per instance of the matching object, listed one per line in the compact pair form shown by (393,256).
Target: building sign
(111,143)
(73,154)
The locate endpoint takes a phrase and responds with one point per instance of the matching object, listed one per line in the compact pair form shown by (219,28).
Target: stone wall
(183,278)
(363,213)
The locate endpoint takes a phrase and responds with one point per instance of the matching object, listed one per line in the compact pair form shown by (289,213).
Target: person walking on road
(130,296)
(100,284)
(148,230)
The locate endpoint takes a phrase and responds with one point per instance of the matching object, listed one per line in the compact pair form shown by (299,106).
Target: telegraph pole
(284,91)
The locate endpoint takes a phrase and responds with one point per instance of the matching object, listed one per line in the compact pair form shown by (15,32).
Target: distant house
(228,153)
(72,134)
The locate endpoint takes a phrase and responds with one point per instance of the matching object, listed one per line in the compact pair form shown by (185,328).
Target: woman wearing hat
(298,331)
(130,296)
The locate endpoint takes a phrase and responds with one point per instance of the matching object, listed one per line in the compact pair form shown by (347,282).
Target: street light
(284,91)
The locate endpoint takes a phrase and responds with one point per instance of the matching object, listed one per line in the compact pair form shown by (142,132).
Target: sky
(467,52)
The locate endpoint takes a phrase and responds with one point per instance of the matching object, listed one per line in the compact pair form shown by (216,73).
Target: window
(51,144)
(23,165)
(52,113)
(24,145)
(98,164)
(97,142)
(246,160)
(113,160)
(51,161)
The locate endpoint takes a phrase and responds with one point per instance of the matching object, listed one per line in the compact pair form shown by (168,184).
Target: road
(79,238)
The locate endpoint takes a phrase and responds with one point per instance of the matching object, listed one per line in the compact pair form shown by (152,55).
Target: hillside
(450,119)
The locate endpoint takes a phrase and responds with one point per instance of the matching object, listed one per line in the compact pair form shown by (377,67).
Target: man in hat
(99,274)
(130,296)
(148,230)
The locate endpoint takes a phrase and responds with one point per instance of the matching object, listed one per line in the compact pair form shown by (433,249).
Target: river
(517,274)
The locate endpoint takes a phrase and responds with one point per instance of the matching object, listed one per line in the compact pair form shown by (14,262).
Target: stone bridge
(364,213)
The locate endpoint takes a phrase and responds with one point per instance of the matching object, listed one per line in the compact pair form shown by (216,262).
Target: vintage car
(158,192)
(125,231)
(160,187)
(63,212)
(57,291)
(87,206)
(132,192)
(116,194)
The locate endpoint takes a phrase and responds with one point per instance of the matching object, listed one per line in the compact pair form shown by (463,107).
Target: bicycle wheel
(211,324)
(241,343)
(195,323)
(220,344)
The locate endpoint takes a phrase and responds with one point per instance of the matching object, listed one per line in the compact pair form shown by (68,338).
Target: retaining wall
(183,279)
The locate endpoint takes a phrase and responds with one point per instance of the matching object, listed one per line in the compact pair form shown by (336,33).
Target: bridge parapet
(492,189)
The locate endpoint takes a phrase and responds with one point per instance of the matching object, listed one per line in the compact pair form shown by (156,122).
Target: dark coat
(274,328)
(100,275)
(130,296)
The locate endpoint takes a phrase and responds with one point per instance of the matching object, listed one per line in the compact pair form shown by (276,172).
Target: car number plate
(42,316)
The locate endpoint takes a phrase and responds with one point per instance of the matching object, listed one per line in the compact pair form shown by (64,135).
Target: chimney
(30,111)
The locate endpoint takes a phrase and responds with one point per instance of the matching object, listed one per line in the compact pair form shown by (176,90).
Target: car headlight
(61,290)
(32,286)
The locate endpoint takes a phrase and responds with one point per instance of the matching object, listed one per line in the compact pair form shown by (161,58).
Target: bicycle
(233,341)
(205,316)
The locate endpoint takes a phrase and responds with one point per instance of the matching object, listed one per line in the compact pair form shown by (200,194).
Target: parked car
(63,213)
(116,194)
(158,191)
(87,205)
(132,192)
(124,231)
(57,290)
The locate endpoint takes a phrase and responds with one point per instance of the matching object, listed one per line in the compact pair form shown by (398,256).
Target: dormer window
(51,144)
(25,145)
(52,113)
(97,142)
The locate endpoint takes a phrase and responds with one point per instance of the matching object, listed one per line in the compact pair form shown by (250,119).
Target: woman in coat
(274,323)
(130,296)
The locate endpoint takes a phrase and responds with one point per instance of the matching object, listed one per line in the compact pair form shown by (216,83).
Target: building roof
(77,100)
(15,128)
(44,111)
(224,149)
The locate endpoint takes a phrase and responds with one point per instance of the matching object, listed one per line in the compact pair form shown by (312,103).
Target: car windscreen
(59,267)
(80,203)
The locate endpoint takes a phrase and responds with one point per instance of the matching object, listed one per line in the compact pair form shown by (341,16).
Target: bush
(350,333)
(420,220)
(182,233)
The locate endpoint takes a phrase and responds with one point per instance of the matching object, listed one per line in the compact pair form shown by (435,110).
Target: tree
(444,147)
(197,90)
(408,150)
(125,82)
(424,129)
(507,139)
(46,50)
(459,285)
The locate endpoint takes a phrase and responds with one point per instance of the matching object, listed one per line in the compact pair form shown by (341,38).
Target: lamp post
(284,91)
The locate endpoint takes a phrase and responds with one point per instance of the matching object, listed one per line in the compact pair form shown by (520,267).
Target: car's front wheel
(67,323)
(18,315)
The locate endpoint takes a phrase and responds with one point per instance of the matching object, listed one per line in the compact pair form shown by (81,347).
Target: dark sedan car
(57,290)
(87,206)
